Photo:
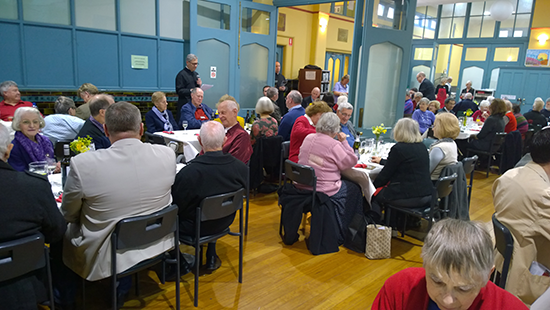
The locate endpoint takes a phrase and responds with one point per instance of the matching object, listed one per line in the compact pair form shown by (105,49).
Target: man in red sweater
(12,100)
(458,261)
(237,141)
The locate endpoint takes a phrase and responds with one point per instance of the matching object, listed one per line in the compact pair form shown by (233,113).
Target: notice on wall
(311,75)
(537,58)
(213,71)
(508,97)
(140,62)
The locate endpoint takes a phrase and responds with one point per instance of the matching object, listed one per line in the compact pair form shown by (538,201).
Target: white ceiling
(436,2)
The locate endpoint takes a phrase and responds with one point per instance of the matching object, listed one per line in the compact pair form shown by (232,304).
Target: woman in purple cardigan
(28,144)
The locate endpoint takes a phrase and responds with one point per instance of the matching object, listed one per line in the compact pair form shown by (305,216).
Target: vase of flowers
(81,145)
(377,131)
(468,113)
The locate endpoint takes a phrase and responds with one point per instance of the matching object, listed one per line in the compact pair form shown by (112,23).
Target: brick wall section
(45,100)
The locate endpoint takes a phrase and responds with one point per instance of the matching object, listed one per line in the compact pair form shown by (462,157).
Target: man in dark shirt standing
(186,80)
(426,87)
(280,83)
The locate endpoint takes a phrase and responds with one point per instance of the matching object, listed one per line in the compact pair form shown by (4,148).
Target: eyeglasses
(194,63)
(27,122)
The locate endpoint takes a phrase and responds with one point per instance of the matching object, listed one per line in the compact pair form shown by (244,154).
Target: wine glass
(39,167)
(184,124)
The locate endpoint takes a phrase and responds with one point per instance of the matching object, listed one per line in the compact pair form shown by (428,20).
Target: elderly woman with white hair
(329,156)
(468,89)
(29,145)
(422,116)
(266,125)
(457,262)
(535,118)
(483,112)
(405,179)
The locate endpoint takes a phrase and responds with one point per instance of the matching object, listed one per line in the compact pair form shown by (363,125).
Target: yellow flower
(81,145)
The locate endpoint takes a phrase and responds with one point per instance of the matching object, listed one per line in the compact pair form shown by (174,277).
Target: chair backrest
(285,150)
(469,163)
(18,257)
(136,231)
(528,139)
(218,206)
(154,139)
(300,173)
(505,246)
(498,140)
(58,150)
(444,185)
(271,150)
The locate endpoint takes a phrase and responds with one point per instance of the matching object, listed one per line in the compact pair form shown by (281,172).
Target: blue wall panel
(97,59)
(171,62)
(10,60)
(138,78)
(49,57)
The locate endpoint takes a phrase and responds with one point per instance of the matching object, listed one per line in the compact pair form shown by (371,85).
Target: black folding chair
(154,139)
(468,164)
(20,256)
(213,208)
(441,189)
(505,246)
(285,149)
(301,174)
(137,232)
(498,140)
(527,140)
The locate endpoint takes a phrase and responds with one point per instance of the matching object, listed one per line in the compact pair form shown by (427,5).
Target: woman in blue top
(424,117)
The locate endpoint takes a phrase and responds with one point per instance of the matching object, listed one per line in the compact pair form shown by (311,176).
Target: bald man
(315,94)
(426,86)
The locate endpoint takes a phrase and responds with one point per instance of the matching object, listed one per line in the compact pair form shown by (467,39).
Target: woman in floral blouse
(265,126)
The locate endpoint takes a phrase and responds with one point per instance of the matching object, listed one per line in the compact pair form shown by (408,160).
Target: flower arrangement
(469,112)
(81,145)
(378,130)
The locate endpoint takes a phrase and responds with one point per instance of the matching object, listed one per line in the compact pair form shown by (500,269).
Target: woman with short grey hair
(29,145)
(266,125)
(329,153)
(458,260)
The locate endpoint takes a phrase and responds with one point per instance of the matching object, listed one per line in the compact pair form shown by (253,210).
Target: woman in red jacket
(458,261)
(304,125)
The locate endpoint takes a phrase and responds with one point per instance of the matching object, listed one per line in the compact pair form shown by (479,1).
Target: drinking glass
(39,167)
(184,124)
(51,165)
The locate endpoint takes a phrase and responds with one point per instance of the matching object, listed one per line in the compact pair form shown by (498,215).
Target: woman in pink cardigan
(328,157)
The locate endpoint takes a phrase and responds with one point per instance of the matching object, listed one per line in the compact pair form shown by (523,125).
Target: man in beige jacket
(128,179)
(522,203)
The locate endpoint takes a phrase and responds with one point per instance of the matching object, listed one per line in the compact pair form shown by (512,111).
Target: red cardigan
(406,290)
(300,130)
(512,125)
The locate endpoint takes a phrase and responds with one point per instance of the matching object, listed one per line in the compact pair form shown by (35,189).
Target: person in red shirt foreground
(458,261)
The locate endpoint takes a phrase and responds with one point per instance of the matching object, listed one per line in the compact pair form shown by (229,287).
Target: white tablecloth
(189,143)
(472,128)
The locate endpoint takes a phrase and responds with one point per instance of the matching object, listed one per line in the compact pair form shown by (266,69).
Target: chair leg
(488,166)
(113,288)
(49,278)
(136,277)
(83,293)
(241,241)
(198,262)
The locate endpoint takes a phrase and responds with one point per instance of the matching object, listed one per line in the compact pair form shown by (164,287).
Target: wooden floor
(277,276)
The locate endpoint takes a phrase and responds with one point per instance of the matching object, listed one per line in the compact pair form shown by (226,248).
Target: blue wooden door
(230,39)
(338,65)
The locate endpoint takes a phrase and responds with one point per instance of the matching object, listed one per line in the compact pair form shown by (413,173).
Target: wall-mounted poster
(537,58)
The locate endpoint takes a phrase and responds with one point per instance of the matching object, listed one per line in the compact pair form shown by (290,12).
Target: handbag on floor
(355,238)
(378,244)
